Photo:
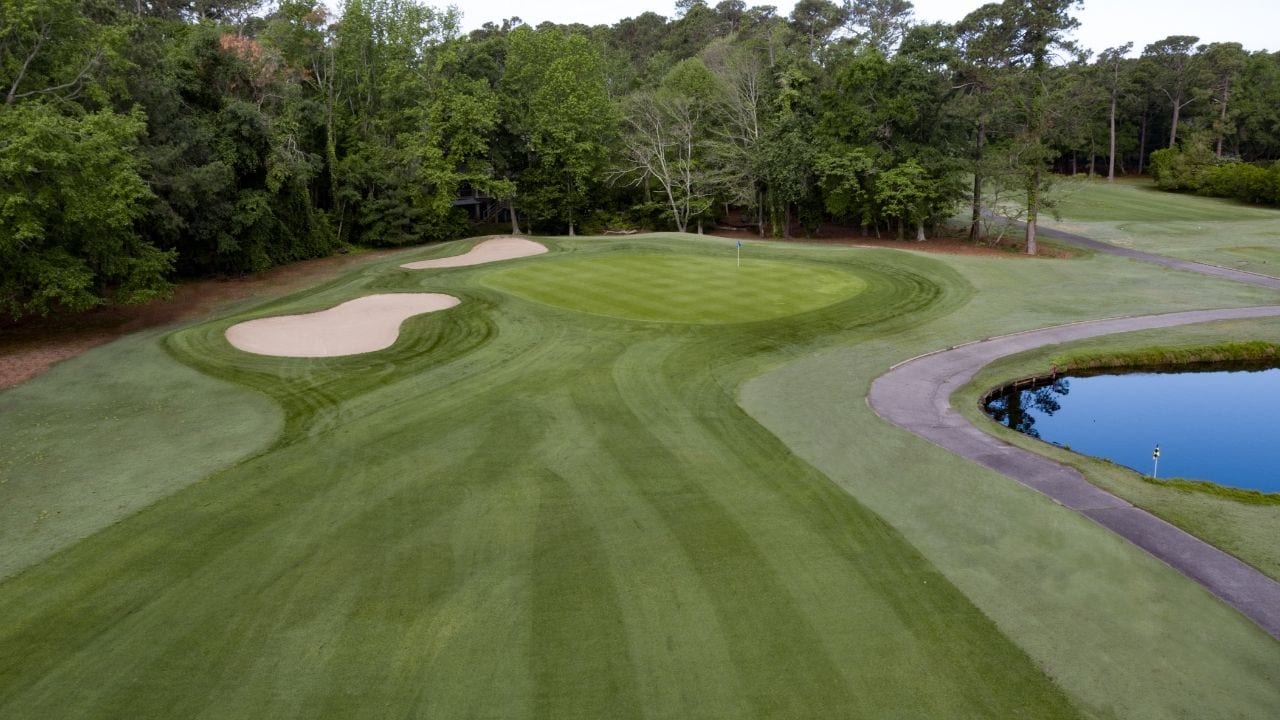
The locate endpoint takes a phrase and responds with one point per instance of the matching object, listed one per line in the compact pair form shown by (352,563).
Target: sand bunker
(506,248)
(358,326)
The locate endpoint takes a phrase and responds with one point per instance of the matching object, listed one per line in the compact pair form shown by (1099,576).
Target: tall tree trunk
(699,226)
(1033,210)
(975,220)
(786,220)
(919,231)
(1075,168)
(1111,152)
(515,224)
(1173,130)
(760,214)
(1222,117)
(1142,145)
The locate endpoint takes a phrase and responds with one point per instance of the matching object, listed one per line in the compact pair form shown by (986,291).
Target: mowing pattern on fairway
(519,511)
(680,288)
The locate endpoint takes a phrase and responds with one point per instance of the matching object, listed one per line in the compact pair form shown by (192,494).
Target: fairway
(532,506)
(680,288)
(1142,201)
(1135,214)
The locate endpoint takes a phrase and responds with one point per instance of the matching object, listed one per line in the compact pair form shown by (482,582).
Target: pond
(1211,424)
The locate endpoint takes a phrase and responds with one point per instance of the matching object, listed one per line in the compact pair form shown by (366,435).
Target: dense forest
(145,140)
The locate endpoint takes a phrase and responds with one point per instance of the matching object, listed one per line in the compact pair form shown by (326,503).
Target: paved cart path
(915,395)
(1217,271)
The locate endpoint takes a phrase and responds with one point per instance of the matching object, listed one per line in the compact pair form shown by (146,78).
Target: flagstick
(739,253)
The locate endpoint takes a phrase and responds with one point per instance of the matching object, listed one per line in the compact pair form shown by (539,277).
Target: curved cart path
(915,395)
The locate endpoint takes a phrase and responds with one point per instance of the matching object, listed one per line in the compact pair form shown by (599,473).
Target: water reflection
(1012,409)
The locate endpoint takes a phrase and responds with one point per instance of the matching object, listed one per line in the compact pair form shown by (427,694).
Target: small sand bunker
(506,248)
(358,326)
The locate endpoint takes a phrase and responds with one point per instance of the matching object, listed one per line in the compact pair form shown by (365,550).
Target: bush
(1242,181)
(1192,167)
(1183,168)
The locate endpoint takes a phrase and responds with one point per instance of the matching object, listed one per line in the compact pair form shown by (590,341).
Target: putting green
(680,288)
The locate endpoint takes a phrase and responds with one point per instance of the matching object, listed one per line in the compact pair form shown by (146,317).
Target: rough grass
(1244,523)
(1135,214)
(108,433)
(523,510)
(1163,355)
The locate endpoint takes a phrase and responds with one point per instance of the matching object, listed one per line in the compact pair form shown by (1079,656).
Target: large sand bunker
(507,248)
(358,326)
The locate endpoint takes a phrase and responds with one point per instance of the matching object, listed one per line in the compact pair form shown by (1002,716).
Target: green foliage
(558,106)
(70,192)
(282,131)
(1192,167)
(907,194)
(1183,168)
(1247,182)
(848,184)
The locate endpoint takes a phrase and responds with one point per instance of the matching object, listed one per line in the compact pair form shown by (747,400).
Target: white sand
(488,251)
(358,326)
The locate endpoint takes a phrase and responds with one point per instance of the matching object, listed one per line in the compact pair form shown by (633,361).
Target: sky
(1103,23)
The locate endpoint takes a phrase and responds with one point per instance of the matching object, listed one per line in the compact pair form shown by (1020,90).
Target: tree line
(143,140)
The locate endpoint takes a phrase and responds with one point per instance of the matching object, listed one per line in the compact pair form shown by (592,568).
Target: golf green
(680,288)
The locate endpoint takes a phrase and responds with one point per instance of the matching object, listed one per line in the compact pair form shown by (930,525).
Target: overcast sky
(1103,23)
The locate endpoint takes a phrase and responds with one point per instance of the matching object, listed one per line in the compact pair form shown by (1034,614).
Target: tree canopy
(148,140)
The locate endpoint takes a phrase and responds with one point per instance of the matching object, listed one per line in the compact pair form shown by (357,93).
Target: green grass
(1141,201)
(680,288)
(1135,214)
(1227,351)
(526,510)
(106,434)
(1068,592)
(1241,522)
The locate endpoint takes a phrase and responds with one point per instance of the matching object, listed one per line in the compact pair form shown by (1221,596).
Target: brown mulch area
(31,347)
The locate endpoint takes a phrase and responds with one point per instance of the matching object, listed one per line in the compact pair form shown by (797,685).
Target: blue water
(1216,426)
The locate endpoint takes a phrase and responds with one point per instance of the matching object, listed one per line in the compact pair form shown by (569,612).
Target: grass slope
(1135,214)
(518,511)
(524,510)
